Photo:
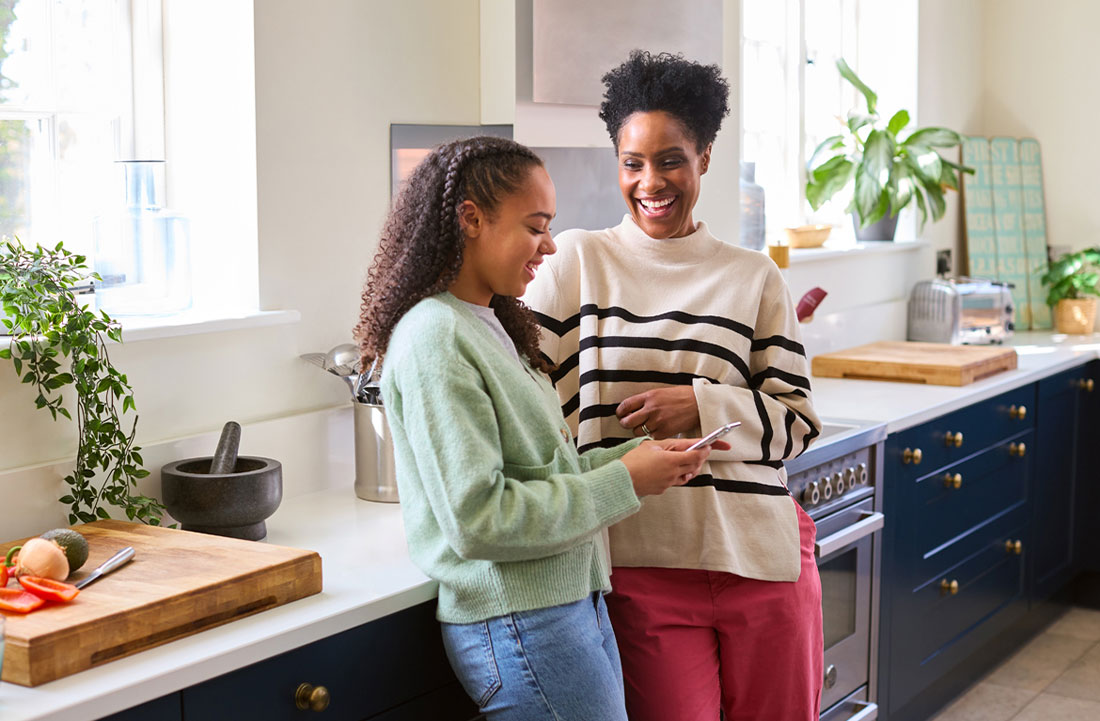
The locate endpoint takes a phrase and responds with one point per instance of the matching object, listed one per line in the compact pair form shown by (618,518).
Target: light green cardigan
(498,506)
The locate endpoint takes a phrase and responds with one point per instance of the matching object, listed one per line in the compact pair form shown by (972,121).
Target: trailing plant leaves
(47,321)
(899,120)
(936,137)
(827,179)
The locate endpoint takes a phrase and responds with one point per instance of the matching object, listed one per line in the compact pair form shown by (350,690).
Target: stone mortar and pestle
(225,495)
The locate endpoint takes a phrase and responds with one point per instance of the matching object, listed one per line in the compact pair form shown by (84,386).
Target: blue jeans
(559,663)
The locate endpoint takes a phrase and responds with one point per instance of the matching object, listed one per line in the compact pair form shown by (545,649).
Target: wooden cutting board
(177,584)
(934,363)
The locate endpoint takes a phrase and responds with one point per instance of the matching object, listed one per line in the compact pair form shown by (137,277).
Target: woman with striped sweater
(660,329)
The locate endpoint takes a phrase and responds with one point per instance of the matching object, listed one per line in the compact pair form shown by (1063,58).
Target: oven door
(845,562)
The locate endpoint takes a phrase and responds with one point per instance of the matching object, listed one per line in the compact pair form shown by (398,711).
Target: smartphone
(713,436)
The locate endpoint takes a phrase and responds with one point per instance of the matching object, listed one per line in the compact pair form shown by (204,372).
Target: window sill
(141,328)
(850,249)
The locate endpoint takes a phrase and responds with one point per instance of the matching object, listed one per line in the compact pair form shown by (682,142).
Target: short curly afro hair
(696,95)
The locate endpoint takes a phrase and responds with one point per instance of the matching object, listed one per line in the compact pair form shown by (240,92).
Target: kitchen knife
(107,566)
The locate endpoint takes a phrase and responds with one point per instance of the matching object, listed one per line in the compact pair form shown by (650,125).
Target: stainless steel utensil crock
(375,476)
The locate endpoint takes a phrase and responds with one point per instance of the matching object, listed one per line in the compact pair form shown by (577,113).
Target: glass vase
(142,251)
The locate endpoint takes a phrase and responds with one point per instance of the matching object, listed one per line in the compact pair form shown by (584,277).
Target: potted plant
(1073,281)
(889,173)
(45,324)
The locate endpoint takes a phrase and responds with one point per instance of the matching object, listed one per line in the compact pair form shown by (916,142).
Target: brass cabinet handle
(911,455)
(1017,412)
(953,439)
(311,698)
(1086,384)
(1016,547)
(953,480)
(949,587)
(1017,449)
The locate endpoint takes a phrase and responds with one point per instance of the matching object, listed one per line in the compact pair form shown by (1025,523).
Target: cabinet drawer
(981,425)
(366,670)
(934,630)
(938,516)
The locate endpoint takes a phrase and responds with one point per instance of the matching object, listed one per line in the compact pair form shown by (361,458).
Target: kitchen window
(70,104)
(792,94)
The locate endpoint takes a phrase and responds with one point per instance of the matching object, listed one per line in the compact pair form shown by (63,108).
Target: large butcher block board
(177,584)
(933,363)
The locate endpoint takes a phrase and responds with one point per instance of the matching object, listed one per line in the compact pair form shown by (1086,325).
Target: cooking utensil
(225,457)
(340,360)
(119,559)
(366,389)
(317,359)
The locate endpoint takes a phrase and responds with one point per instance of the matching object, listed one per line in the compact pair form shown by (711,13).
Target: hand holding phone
(713,436)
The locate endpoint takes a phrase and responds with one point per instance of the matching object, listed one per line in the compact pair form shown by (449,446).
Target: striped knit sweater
(623,313)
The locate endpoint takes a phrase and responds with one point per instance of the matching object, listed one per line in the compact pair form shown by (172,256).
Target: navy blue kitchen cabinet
(1087,497)
(1059,438)
(956,543)
(392,669)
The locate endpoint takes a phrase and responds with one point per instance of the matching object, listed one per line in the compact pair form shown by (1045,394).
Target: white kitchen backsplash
(315,449)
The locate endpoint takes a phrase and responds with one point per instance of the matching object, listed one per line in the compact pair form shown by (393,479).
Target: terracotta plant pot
(1075,316)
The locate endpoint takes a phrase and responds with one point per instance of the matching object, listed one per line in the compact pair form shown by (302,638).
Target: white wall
(1040,82)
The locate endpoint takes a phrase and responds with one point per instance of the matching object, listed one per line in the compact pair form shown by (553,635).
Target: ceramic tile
(1049,706)
(987,702)
(1082,679)
(1039,662)
(1078,622)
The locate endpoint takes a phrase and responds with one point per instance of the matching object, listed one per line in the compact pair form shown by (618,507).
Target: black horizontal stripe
(796,392)
(602,443)
(683,344)
(791,378)
(676,315)
(770,464)
(733,486)
(778,340)
(571,405)
(812,434)
(555,326)
(765,425)
(600,375)
(564,367)
(604,410)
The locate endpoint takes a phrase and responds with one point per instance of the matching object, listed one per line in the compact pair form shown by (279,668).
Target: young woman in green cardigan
(499,506)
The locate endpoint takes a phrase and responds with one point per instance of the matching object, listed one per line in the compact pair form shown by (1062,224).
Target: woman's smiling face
(659,173)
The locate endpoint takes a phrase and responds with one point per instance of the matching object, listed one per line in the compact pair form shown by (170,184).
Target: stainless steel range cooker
(838,482)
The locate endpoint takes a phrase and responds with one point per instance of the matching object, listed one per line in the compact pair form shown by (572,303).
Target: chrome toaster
(961,311)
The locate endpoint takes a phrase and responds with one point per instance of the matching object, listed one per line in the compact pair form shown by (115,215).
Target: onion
(42,558)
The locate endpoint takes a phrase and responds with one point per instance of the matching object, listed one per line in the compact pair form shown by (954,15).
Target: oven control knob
(839,486)
(812,495)
(826,488)
(830,676)
(861,473)
(851,478)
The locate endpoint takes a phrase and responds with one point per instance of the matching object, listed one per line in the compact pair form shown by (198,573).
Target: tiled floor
(1054,677)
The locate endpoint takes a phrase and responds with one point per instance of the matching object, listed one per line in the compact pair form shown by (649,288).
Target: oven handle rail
(867,711)
(868,524)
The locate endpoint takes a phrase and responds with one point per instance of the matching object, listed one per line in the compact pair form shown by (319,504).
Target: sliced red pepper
(3,575)
(19,601)
(48,589)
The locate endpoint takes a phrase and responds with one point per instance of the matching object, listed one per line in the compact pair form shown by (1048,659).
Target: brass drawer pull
(953,439)
(1017,449)
(953,480)
(1016,547)
(311,698)
(911,455)
(1086,384)
(949,587)
(1018,412)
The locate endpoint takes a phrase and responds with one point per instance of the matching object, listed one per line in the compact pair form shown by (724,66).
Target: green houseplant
(45,324)
(889,173)
(1073,280)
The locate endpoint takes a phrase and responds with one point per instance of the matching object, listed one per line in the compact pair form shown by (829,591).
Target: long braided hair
(421,248)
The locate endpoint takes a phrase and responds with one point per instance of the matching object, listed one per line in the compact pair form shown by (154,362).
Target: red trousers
(695,641)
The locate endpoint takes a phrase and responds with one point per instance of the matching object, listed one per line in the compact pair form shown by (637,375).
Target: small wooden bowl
(808,236)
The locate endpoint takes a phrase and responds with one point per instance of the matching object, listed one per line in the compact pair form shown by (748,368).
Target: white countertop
(368,574)
(904,405)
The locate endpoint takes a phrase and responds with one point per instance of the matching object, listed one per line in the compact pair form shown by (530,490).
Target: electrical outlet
(943,262)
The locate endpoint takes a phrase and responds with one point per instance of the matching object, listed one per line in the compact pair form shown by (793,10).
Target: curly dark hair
(696,95)
(420,251)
